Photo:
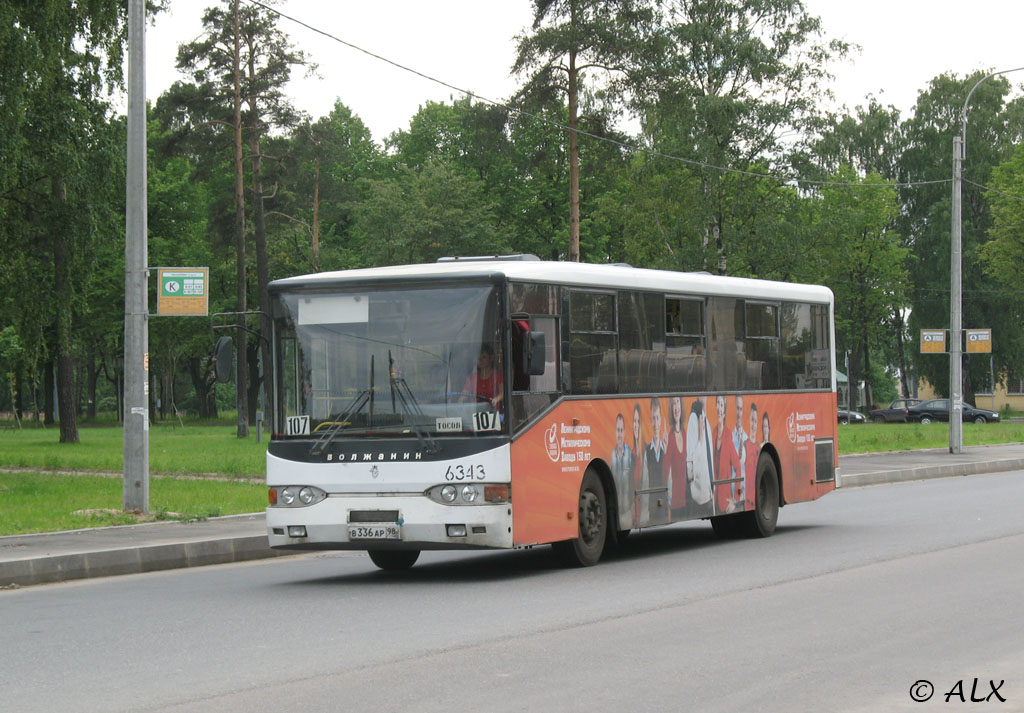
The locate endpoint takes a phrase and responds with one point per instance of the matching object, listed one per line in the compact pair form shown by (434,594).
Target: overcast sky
(470,44)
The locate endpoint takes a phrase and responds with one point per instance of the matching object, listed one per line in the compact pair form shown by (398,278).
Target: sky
(470,44)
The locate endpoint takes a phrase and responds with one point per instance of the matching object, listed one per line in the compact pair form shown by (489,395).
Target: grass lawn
(190,450)
(43,502)
(195,472)
(877,437)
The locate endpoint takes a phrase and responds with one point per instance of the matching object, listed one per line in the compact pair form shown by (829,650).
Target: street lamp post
(956,396)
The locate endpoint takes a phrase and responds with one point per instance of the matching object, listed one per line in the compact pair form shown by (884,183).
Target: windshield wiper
(341,422)
(410,407)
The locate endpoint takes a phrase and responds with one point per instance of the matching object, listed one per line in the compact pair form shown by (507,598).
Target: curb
(133,560)
(928,472)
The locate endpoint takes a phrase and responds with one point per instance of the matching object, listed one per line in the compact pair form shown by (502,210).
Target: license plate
(374,532)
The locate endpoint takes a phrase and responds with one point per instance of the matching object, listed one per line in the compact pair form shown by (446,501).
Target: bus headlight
(469,494)
(295,496)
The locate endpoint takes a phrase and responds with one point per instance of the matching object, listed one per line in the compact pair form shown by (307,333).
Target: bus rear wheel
(586,549)
(761,521)
(394,560)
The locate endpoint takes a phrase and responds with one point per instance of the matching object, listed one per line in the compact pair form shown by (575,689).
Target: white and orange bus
(509,402)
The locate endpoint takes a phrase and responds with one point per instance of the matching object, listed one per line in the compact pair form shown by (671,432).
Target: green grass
(877,437)
(225,476)
(41,502)
(172,450)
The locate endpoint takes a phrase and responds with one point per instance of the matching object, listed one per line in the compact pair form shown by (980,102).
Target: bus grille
(373,516)
(824,461)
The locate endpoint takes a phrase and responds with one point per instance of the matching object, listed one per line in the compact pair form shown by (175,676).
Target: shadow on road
(493,566)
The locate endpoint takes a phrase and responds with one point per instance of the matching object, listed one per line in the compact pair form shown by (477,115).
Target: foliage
(993,128)
(722,86)
(741,173)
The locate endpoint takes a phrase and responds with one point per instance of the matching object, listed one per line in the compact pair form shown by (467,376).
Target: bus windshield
(413,361)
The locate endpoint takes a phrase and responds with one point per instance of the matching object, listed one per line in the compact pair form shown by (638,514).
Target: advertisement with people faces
(671,458)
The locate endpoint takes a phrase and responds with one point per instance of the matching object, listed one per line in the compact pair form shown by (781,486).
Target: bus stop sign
(979,341)
(933,341)
(183,291)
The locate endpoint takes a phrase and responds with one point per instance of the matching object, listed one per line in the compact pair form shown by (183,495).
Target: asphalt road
(856,598)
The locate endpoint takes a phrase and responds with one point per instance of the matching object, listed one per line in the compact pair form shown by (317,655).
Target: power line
(563,127)
(993,190)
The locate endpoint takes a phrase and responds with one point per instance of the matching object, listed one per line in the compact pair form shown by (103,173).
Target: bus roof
(581,275)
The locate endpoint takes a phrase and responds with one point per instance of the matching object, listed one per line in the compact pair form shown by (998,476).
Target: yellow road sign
(933,341)
(979,341)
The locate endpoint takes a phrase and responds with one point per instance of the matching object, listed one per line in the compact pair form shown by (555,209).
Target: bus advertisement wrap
(671,458)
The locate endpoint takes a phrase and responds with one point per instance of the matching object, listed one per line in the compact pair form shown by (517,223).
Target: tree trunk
(254,385)
(262,261)
(49,387)
(901,354)
(574,161)
(206,398)
(241,394)
(92,374)
(65,359)
(868,397)
(316,212)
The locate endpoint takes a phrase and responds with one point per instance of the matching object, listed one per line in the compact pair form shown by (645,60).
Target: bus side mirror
(533,353)
(224,355)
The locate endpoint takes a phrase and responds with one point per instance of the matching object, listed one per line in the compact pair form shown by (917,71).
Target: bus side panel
(548,462)
(805,420)
(672,458)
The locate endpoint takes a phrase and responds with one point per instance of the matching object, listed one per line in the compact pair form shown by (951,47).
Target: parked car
(938,410)
(851,416)
(896,412)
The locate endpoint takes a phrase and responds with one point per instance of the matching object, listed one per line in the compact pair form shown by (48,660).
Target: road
(856,598)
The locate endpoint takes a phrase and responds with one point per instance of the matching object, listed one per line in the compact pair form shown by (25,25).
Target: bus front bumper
(389,522)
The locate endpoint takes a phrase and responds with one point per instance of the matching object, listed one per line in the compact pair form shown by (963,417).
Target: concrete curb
(930,471)
(48,569)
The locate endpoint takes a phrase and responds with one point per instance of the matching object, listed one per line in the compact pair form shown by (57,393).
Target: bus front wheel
(586,549)
(393,560)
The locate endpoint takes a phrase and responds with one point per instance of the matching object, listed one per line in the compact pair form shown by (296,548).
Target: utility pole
(136,304)
(956,388)
(956,422)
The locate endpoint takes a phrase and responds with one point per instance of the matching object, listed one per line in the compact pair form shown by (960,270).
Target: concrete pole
(956,391)
(136,304)
(956,423)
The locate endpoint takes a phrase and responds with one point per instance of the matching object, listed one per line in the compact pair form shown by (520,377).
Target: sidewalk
(101,552)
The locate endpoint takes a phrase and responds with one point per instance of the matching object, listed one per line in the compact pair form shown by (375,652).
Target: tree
(863,260)
(992,130)
(243,59)
(418,216)
(317,179)
(870,141)
(728,85)
(1003,254)
(570,38)
(59,153)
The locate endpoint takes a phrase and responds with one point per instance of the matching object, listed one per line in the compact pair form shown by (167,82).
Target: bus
(510,402)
